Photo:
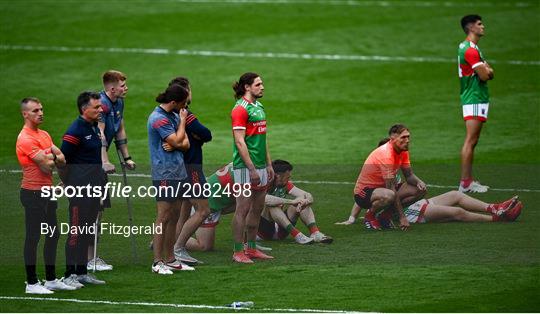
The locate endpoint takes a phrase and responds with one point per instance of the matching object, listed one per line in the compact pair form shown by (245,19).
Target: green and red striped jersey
(473,90)
(250,117)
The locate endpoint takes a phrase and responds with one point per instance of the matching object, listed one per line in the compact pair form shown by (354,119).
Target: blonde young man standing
(111,126)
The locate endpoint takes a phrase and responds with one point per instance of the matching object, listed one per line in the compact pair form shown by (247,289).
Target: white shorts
(476,111)
(212,220)
(415,212)
(241,176)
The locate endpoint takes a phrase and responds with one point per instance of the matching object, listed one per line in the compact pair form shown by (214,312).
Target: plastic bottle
(240,304)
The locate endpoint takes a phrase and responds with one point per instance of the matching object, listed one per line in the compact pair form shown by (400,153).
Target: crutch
(130,209)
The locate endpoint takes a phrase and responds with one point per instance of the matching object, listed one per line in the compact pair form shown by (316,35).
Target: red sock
(466,182)
(292,230)
(370,214)
(313,228)
(492,208)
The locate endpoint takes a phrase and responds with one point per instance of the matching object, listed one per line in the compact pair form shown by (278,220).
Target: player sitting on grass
(457,206)
(285,212)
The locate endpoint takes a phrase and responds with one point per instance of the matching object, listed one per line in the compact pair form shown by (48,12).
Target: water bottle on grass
(240,304)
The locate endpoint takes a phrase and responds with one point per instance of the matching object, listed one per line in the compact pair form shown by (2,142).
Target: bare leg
(170,231)
(467,151)
(243,205)
(254,215)
(381,198)
(441,213)
(206,235)
(463,200)
(307,216)
(202,210)
(409,194)
(277,215)
(185,212)
(204,241)
(162,217)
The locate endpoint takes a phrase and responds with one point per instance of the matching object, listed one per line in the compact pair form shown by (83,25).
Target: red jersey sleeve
(289,186)
(239,116)
(472,57)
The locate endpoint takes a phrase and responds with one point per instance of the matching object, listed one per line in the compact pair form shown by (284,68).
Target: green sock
(252,245)
(238,247)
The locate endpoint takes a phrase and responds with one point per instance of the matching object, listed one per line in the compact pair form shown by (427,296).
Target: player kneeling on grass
(285,212)
(376,187)
(457,206)
(222,202)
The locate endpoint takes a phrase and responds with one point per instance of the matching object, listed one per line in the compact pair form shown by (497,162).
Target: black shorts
(197,180)
(267,230)
(169,190)
(363,198)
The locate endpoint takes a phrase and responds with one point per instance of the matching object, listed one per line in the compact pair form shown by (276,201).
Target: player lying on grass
(456,206)
(281,213)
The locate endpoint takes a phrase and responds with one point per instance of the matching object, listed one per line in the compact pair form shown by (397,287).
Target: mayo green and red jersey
(250,117)
(473,90)
(281,191)
(221,186)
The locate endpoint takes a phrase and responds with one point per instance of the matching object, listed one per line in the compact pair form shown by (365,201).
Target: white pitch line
(235,54)
(383,4)
(142,175)
(193,306)
(429,185)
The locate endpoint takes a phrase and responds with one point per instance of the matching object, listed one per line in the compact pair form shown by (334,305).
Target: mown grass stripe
(268,55)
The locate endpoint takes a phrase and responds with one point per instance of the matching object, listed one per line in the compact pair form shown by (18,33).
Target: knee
(388,197)
(163,218)
(420,193)
(471,140)
(250,225)
(204,212)
(207,247)
(460,214)
(456,194)
(32,238)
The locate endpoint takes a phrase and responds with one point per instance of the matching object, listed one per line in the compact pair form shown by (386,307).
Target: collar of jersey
(251,103)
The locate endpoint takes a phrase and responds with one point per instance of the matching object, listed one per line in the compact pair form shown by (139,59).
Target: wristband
(120,142)
(127,158)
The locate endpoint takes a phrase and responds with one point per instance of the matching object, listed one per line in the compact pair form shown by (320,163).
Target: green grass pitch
(324,116)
